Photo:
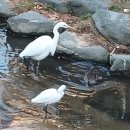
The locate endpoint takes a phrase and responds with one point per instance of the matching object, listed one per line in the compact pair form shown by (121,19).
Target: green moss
(49,7)
(26,4)
(85,16)
(23,5)
(116,7)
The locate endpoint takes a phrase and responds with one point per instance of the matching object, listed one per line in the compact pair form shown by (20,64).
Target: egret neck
(55,39)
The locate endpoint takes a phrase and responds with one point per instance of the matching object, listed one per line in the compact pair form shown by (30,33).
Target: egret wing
(49,95)
(37,47)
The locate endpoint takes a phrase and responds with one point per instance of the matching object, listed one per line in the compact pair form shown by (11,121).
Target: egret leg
(37,68)
(25,62)
(45,109)
(32,65)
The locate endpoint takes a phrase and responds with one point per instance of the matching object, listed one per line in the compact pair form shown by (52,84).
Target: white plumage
(44,45)
(49,96)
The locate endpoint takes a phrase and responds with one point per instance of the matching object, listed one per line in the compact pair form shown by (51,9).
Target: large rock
(57,5)
(30,23)
(70,43)
(5,10)
(78,7)
(112,25)
(120,62)
(109,102)
(81,7)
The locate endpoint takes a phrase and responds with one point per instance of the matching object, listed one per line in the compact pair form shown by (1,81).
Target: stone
(82,7)
(70,43)
(5,10)
(107,101)
(57,5)
(77,7)
(120,62)
(112,25)
(96,53)
(30,22)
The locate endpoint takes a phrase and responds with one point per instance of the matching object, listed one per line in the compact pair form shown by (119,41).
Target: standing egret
(41,47)
(49,96)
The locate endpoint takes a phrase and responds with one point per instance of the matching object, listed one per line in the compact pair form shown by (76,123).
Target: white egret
(49,96)
(41,47)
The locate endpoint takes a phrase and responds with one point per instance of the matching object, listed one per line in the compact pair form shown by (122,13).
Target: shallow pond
(105,106)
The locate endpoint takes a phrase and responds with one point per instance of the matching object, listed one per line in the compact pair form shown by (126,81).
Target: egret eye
(65,26)
(61,30)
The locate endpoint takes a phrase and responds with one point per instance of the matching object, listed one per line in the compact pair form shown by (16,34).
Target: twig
(114,50)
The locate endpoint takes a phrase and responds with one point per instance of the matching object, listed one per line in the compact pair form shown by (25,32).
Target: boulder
(5,10)
(82,7)
(120,62)
(77,7)
(70,43)
(30,22)
(95,52)
(109,102)
(58,5)
(112,25)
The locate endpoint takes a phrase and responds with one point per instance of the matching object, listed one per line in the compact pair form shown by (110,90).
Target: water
(104,106)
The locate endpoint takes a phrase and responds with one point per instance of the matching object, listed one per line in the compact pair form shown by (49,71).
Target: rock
(77,7)
(120,62)
(5,10)
(96,53)
(81,7)
(72,44)
(113,26)
(30,23)
(95,76)
(67,43)
(58,5)
(111,100)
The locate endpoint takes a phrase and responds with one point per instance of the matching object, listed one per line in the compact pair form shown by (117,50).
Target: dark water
(105,106)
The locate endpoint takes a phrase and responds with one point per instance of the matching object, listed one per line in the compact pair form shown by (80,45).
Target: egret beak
(71,28)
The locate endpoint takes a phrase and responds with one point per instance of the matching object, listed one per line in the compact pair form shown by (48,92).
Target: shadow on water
(105,105)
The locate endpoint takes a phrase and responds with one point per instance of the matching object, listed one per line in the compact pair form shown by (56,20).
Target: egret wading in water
(41,47)
(49,96)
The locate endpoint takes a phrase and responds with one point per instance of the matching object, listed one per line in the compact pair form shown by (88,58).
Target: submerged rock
(94,77)
(112,25)
(113,98)
(30,23)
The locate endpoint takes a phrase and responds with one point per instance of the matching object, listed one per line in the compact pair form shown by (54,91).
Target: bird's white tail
(21,55)
(33,100)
